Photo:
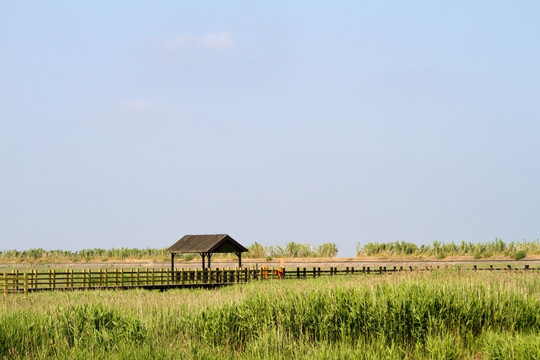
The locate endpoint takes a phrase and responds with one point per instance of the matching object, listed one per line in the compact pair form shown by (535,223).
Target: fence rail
(162,279)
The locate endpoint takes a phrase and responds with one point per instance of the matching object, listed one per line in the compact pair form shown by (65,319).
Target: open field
(373,261)
(496,250)
(446,314)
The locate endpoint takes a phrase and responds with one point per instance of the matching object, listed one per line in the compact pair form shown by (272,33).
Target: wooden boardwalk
(163,279)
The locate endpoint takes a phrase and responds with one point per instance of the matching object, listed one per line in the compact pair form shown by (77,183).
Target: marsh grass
(446,314)
(516,250)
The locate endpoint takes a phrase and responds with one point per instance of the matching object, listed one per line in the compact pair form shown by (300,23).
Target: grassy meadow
(447,314)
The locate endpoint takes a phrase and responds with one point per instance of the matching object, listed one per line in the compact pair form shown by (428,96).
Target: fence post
(25,284)
(5,285)
(54,279)
(138,277)
(71,276)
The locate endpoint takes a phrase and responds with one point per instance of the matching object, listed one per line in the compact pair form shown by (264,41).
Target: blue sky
(130,124)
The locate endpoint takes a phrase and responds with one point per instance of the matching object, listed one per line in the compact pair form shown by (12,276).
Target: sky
(133,123)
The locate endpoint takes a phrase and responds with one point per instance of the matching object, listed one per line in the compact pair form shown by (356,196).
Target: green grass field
(435,315)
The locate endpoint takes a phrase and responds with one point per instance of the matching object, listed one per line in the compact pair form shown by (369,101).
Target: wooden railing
(16,282)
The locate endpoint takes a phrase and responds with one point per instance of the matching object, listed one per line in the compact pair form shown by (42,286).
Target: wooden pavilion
(206,246)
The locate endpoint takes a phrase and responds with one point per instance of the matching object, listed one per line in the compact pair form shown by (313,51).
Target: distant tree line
(516,250)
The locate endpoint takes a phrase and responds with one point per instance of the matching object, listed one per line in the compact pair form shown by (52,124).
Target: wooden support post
(122,277)
(25,284)
(138,277)
(172,263)
(352,270)
(54,279)
(106,278)
(182,276)
(305,273)
(298,273)
(5,285)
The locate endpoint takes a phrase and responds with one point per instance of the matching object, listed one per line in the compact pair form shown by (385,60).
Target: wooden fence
(163,279)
